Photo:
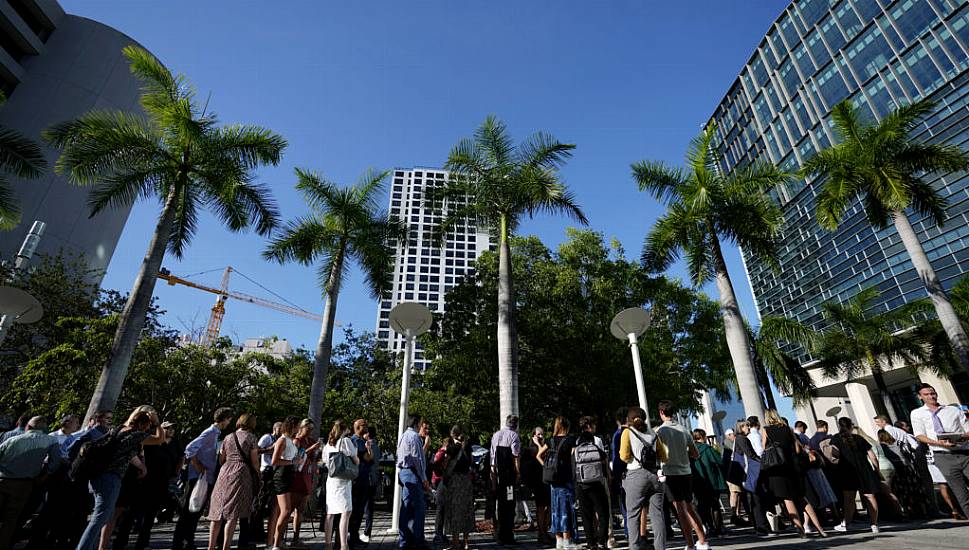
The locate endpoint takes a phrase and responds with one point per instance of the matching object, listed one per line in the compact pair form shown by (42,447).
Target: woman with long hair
(284,457)
(555,457)
(857,466)
(235,489)
(339,492)
(458,493)
(785,481)
(304,474)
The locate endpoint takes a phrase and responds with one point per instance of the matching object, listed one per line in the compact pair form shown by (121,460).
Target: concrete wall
(80,68)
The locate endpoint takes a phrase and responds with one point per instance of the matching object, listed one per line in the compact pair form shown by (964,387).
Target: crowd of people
(94,487)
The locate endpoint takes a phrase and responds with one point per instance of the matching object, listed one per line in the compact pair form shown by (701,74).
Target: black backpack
(647,456)
(94,457)
(557,464)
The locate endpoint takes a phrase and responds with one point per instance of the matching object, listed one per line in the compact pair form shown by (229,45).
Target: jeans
(439,504)
(563,509)
(412,509)
(642,487)
(955,470)
(594,505)
(368,512)
(105,489)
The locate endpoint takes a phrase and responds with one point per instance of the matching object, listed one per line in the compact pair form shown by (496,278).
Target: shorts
(734,488)
(283,479)
(679,488)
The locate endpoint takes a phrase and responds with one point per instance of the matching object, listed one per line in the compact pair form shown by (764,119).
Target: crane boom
(223,294)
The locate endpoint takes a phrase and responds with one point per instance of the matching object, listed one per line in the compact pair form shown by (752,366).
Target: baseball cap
(167,424)
(728,432)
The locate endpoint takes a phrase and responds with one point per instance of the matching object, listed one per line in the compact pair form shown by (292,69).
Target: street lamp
(17,306)
(410,319)
(629,324)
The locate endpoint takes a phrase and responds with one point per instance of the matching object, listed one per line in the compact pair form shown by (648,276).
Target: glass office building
(879,54)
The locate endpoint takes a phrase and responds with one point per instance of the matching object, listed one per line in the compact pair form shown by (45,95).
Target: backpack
(588,463)
(647,456)
(94,457)
(556,468)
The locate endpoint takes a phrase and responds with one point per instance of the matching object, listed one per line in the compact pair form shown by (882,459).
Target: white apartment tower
(423,272)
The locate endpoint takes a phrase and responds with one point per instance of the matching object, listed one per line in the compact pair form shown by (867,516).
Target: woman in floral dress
(235,489)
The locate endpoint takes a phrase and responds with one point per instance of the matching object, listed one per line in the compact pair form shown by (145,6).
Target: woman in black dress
(857,465)
(786,481)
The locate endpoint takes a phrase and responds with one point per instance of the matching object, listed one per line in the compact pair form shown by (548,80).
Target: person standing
(70,423)
(555,457)
(755,437)
(304,475)
(857,465)
(362,488)
(817,491)
(456,478)
(784,480)
(413,479)
(708,483)
(506,449)
(641,450)
(374,468)
(19,428)
(531,476)
(339,491)
(267,498)
(123,446)
(438,490)
(945,430)
(235,489)
(618,466)
(22,461)
(283,461)
(591,476)
(734,476)
(679,451)
(202,454)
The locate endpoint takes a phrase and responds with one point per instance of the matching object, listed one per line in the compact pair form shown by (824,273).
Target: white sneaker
(841,528)
(365,539)
(703,546)
(875,529)
(808,530)
(567,544)
(559,542)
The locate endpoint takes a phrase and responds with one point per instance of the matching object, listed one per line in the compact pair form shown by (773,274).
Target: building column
(805,415)
(704,419)
(947,393)
(863,407)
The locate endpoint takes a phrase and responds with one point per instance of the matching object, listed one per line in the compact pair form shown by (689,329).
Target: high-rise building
(880,54)
(424,271)
(54,67)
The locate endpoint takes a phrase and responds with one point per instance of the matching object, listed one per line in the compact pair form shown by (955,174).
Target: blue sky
(387,84)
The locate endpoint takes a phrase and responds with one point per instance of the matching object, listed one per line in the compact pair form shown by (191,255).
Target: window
(831,86)
(802,112)
(912,17)
(831,34)
(757,67)
(881,99)
(789,77)
(803,60)
(789,31)
(761,110)
(813,10)
(868,9)
(953,47)
(818,51)
(940,56)
(922,69)
(848,20)
(869,53)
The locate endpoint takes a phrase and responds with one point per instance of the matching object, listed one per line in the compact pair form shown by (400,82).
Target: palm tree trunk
(764,380)
(132,320)
(738,341)
(885,397)
(321,363)
(507,338)
(943,307)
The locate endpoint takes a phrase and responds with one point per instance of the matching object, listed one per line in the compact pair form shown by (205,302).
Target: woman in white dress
(339,492)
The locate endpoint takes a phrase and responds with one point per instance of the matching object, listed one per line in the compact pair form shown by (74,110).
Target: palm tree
(179,155)
(495,184)
(704,206)
(773,363)
(859,341)
(346,225)
(22,158)
(881,164)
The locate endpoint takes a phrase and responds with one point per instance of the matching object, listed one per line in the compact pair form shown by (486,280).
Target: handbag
(773,457)
(256,478)
(341,466)
(197,500)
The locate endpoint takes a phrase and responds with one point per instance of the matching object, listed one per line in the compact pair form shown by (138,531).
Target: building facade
(54,67)
(880,54)
(424,271)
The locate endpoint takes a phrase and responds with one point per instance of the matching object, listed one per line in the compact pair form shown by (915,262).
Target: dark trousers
(360,494)
(139,518)
(760,503)
(368,512)
(188,522)
(506,514)
(594,505)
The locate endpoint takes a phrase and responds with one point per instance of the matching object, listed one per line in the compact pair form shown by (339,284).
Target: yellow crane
(223,293)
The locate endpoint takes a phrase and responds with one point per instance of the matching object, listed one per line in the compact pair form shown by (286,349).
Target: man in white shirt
(70,423)
(902,437)
(945,430)
(756,440)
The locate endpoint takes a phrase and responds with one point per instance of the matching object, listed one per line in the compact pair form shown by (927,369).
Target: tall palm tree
(346,225)
(859,341)
(704,207)
(179,155)
(783,368)
(21,157)
(886,168)
(496,184)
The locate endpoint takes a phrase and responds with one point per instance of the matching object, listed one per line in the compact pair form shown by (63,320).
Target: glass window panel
(806,148)
(942,5)
(940,57)
(850,23)
(864,109)
(821,136)
(832,35)
(868,9)
(779,47)
(773,97)
(789,30)
(890,33)
(960,24)
(869,53)
(893,86)
(803,60)
(762,111)
(758,70)
(772,144)
(816,46)
(748,82)
(831,86)
(789,77)
(783,142)
(912,17)
(922,69)
(791,124)
(813,10)
(802,112)
(881,99)
(955,50)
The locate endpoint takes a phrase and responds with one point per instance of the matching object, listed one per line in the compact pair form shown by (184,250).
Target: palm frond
(19,155)
(251,146)
(659,180)
(305,240)
(186,220)
(543,151)
(494,142)
(9,206)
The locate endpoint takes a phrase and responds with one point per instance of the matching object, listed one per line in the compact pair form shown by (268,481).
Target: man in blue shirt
(23,459)
(202,454)
(362,488)
(413,480)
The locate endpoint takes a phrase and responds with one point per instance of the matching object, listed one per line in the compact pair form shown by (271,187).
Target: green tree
(704,207)
(774,363)
(346,225)
(179,155)
(21,157)
(883,166)
(495,184)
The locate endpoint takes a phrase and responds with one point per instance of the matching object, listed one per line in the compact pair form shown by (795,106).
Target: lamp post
(628,325)
(410,319)
(17,306)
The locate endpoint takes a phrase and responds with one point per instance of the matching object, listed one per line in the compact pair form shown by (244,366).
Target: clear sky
(388,84)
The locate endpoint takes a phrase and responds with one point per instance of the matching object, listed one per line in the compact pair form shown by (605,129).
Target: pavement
(916,535)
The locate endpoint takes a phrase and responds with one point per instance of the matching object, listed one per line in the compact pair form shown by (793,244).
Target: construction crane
(222,294)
